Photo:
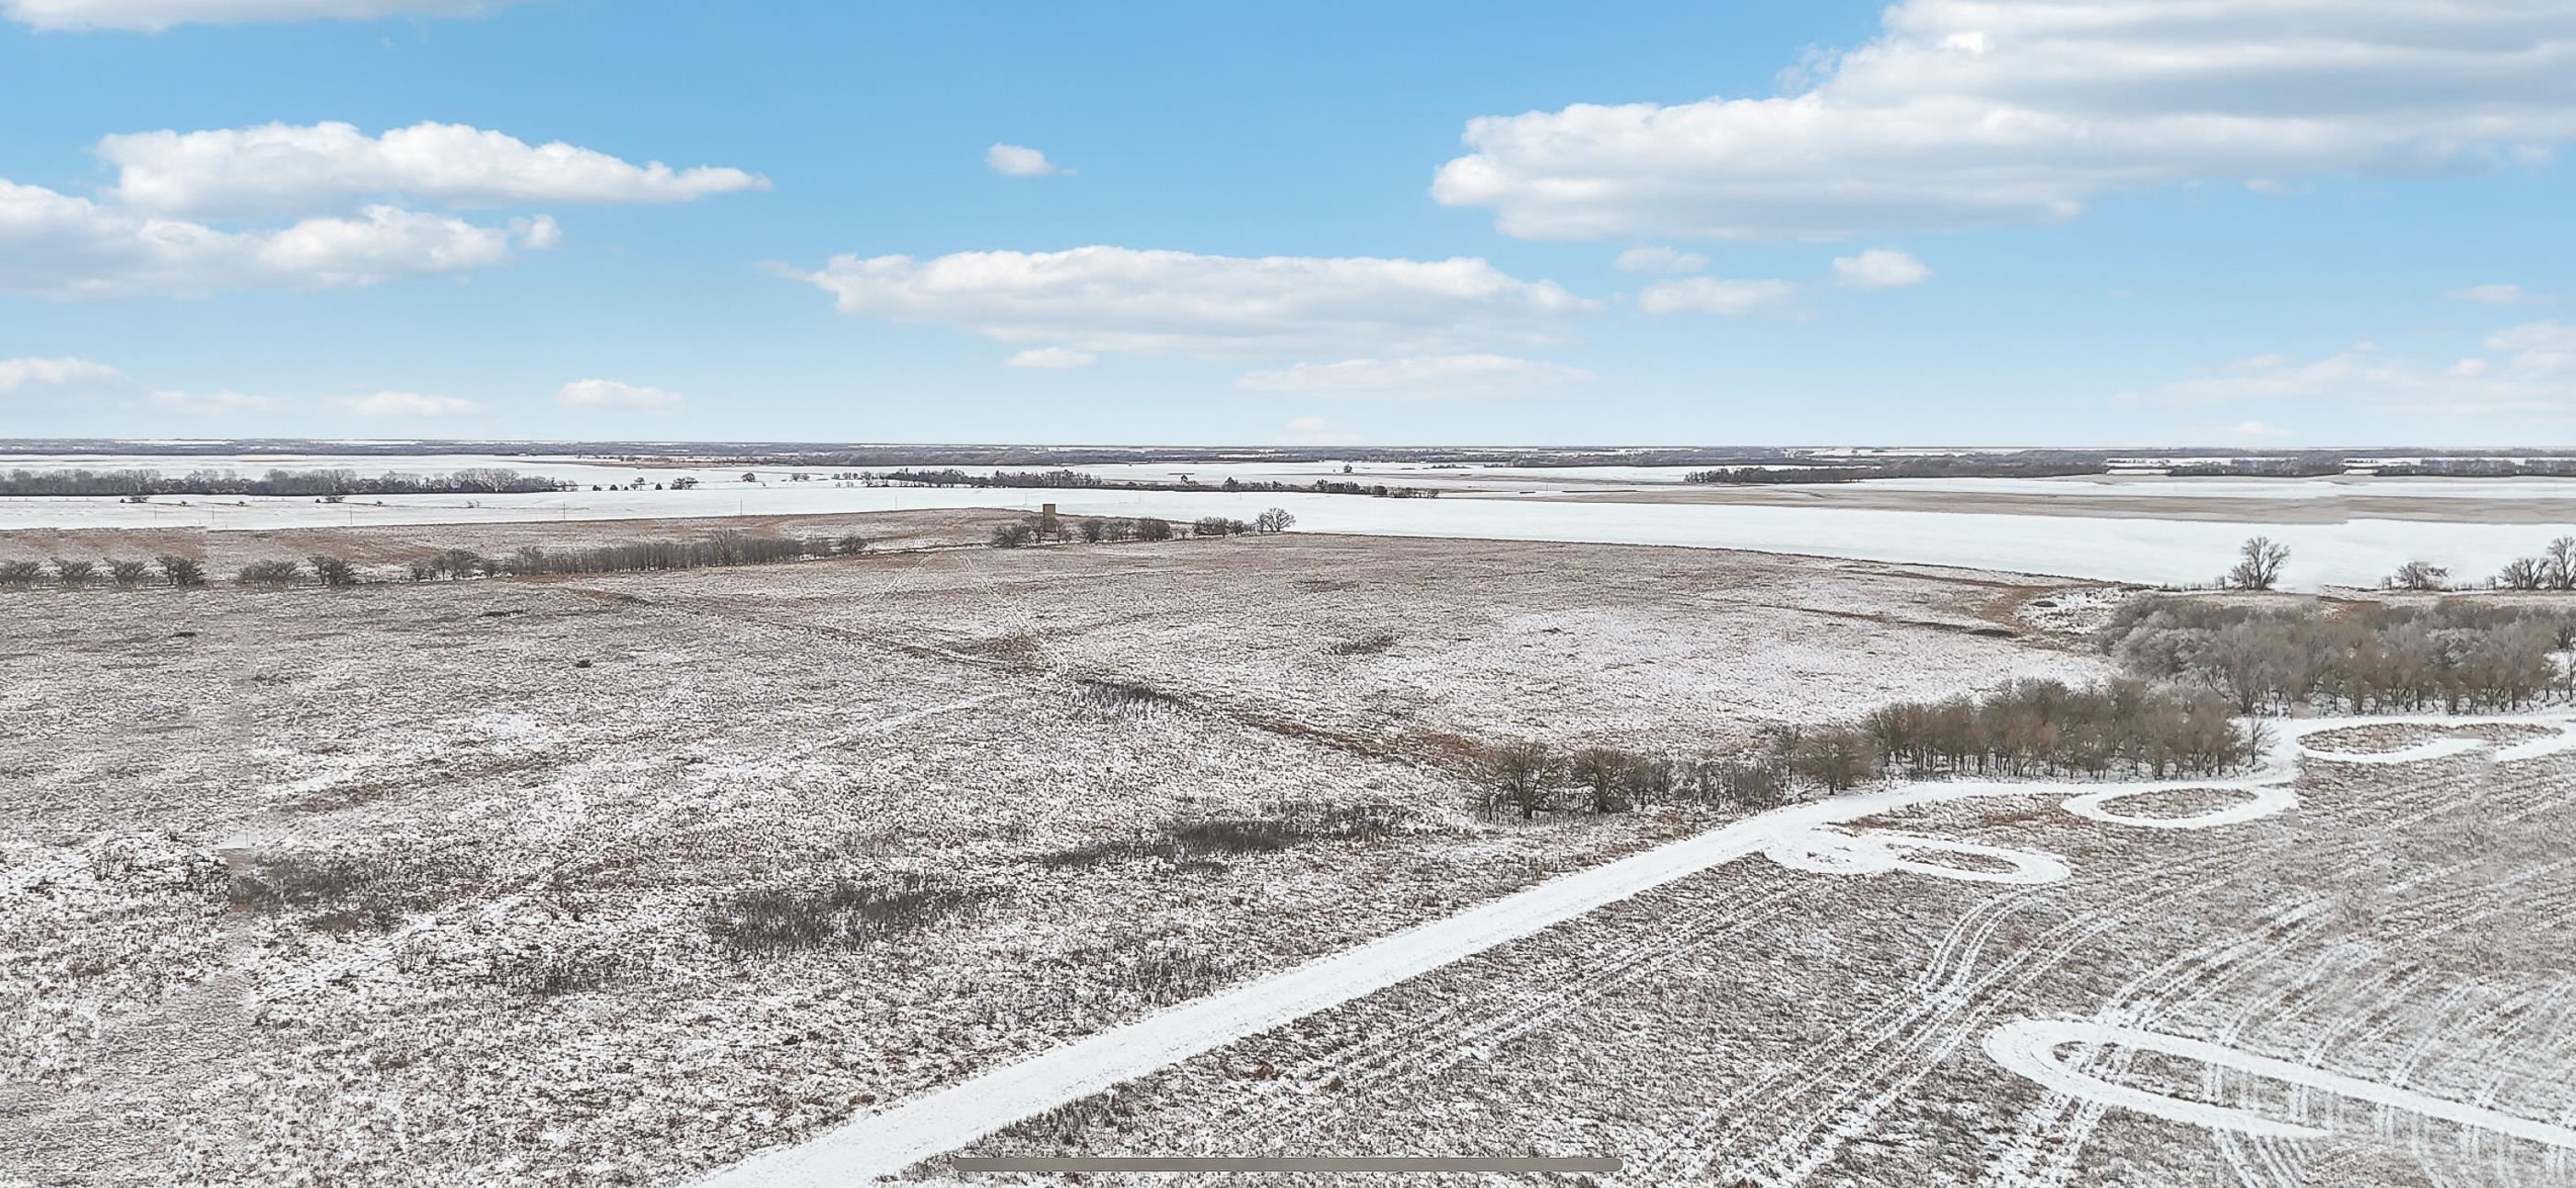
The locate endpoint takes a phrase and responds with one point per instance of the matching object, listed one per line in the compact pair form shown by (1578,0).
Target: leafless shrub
(128,573)
(457,564)
(1013,535)
(1094,530)
(350,890)
(1835,758)
(1158,972)
(1274,520)
(1367,645)
(183,572)
(1218,526)
(1104,693)
(1281,827)
(332,571)
(1602,772)
(1153,528)
(269,575)
(1758,783)
(843,914)
(2456,654)
(21,574)
(75,574)
(557,973)
(852,544)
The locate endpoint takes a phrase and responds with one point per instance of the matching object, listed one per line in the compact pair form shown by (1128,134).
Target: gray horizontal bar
(1284,1163)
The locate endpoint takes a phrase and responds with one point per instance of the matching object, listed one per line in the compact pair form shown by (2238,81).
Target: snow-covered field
(2192,547)
(2364,982)
(464,883)
(1828,838)
(2109,548)
(505,819)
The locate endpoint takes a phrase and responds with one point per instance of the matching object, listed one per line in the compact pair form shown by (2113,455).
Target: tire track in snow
(890,1141)
(2254,1141)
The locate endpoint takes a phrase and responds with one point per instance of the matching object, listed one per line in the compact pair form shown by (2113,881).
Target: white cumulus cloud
(2534,371)
(64,247)
(1313,431)
(1420,377)
(599,395)
(405,404)
(156,15)
(1709,295)
(64,371)
(1967,113)
(286,169)
(1119,299)
(1659,260)
(211,404)
(1880,268)
(2498,295)
(1051,359)
(1012,160)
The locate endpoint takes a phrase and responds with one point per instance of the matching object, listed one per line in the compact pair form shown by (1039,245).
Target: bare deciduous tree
(2524,573)
(269,575)
(2418,575)
(1521,777)
(333,571)
(183,572)
(2258,564)
(2561,558)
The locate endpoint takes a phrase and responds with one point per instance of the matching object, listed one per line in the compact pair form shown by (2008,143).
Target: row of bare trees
(133,484)
(2124,727)
(2553,569)
(123,573)
(1046,526)
(719,550)
(2453,655)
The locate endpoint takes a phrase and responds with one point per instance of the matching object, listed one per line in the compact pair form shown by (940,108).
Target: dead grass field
(605,880)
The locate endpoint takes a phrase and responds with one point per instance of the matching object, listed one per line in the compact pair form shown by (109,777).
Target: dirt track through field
(1843,1085)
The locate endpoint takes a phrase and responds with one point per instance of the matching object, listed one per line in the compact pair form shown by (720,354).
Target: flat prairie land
(619,879)
(631,878)
(2367,982)
(376,546)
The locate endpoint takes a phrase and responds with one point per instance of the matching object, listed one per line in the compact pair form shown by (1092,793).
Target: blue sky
(2056,221)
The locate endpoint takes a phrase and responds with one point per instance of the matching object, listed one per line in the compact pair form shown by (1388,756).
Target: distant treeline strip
(317,483)
(1080,479)
(719,550)
(1939,467)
